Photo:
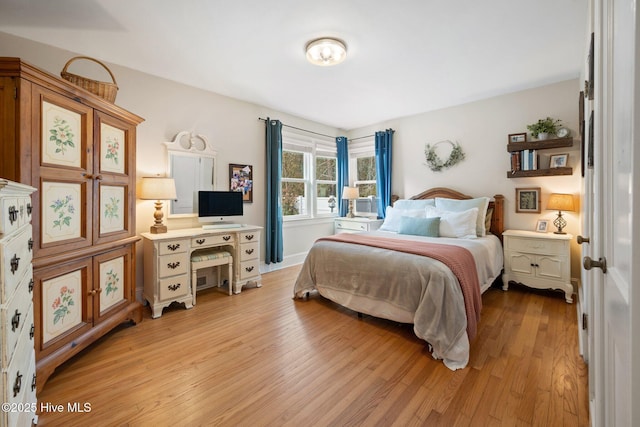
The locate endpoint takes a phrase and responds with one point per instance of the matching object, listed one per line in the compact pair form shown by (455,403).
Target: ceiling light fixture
(326,51)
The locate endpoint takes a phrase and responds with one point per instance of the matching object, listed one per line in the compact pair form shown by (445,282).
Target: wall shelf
(546,144)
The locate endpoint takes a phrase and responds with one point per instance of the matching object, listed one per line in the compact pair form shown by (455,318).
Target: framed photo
(241,179)
(558,161)
(517,137)
(528,200)
(542,226)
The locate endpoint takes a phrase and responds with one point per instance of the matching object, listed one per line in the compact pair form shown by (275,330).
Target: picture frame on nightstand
(542,225)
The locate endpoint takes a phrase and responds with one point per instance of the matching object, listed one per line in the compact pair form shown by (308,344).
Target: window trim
(312,147)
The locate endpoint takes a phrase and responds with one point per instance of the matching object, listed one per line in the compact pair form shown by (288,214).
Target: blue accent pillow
(428,227)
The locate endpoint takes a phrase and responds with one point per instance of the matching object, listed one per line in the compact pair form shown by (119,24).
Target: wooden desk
(167,261)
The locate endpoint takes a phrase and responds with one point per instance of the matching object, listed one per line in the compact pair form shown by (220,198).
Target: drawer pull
(248,251)
(174,287)
(535,265)
(33,382)
(201,241)
(29,208)
(17,385)
(173,247)
(15,262)
(32,332)
(226,238)
(13,214)
(30,285)
(249,269)
(249,237)
(362,227)
(173,265)
(30,245)
(15,321)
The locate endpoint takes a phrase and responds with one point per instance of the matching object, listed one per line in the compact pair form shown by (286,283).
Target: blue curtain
(383,169)
(273,223)
(343,173)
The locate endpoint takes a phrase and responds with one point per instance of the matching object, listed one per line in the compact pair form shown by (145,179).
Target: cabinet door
(112,282)
(521,263)
(551,267)
(62,293)
(114,163)
(62,170)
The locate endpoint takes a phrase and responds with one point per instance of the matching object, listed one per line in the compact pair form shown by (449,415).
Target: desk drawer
(249,251)
(249,269)
(214,240)
(172,247)
(536,246)
(172,265)
(250,236)
(174,287)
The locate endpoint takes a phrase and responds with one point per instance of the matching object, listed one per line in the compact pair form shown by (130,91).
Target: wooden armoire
(78,151)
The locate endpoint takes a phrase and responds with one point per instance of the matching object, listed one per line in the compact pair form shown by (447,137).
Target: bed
(427,265)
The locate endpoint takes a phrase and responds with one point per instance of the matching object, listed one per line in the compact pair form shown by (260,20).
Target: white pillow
(456,224)
(393,217)
(454,205)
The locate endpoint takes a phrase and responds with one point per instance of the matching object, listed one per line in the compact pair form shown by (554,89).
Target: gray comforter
(396,286)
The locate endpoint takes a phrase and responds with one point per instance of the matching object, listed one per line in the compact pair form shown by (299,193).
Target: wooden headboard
(497,220)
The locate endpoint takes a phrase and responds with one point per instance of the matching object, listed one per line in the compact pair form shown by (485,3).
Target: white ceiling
(404,56)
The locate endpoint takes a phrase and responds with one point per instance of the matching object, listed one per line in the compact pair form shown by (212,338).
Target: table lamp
(560,202)
(158,188)
(350,194)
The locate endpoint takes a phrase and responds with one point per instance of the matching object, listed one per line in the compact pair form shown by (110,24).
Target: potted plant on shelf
(544,127)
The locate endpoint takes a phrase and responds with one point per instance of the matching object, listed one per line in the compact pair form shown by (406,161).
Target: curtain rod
(304,130)
(321,134)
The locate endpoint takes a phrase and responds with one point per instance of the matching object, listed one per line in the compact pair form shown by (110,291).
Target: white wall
(481,128)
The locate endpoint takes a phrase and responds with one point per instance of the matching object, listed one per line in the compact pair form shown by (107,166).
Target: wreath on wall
(435,163)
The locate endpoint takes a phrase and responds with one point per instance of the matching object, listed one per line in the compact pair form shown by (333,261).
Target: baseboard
(288,261)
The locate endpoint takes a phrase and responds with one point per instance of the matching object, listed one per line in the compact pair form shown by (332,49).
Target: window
(362,171)
(309,177)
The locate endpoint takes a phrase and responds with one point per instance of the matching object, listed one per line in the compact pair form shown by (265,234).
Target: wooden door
(62,170)
(114,163)
(112,282)
(63,310)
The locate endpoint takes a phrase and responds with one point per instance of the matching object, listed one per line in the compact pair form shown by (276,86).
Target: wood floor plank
(262,358)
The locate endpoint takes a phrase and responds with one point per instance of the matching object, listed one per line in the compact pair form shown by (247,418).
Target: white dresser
(16,306)
(538,260)
(353,225)
(167,261)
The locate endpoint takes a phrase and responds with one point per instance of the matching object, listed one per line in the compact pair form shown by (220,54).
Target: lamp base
(158,229)
(559,232)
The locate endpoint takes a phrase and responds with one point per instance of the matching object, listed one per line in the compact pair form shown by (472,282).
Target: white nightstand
(353,225)
(538,260)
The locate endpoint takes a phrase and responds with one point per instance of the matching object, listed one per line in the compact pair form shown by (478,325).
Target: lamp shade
(326,51)
(158,188)
(560,202)
(350,193)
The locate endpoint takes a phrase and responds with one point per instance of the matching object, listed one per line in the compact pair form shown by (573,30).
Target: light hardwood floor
(262,358)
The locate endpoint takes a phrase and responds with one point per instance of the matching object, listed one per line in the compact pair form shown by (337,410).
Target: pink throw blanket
(459,260)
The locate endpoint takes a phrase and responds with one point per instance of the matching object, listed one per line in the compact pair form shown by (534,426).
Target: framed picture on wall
(528,200)
(241,179)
